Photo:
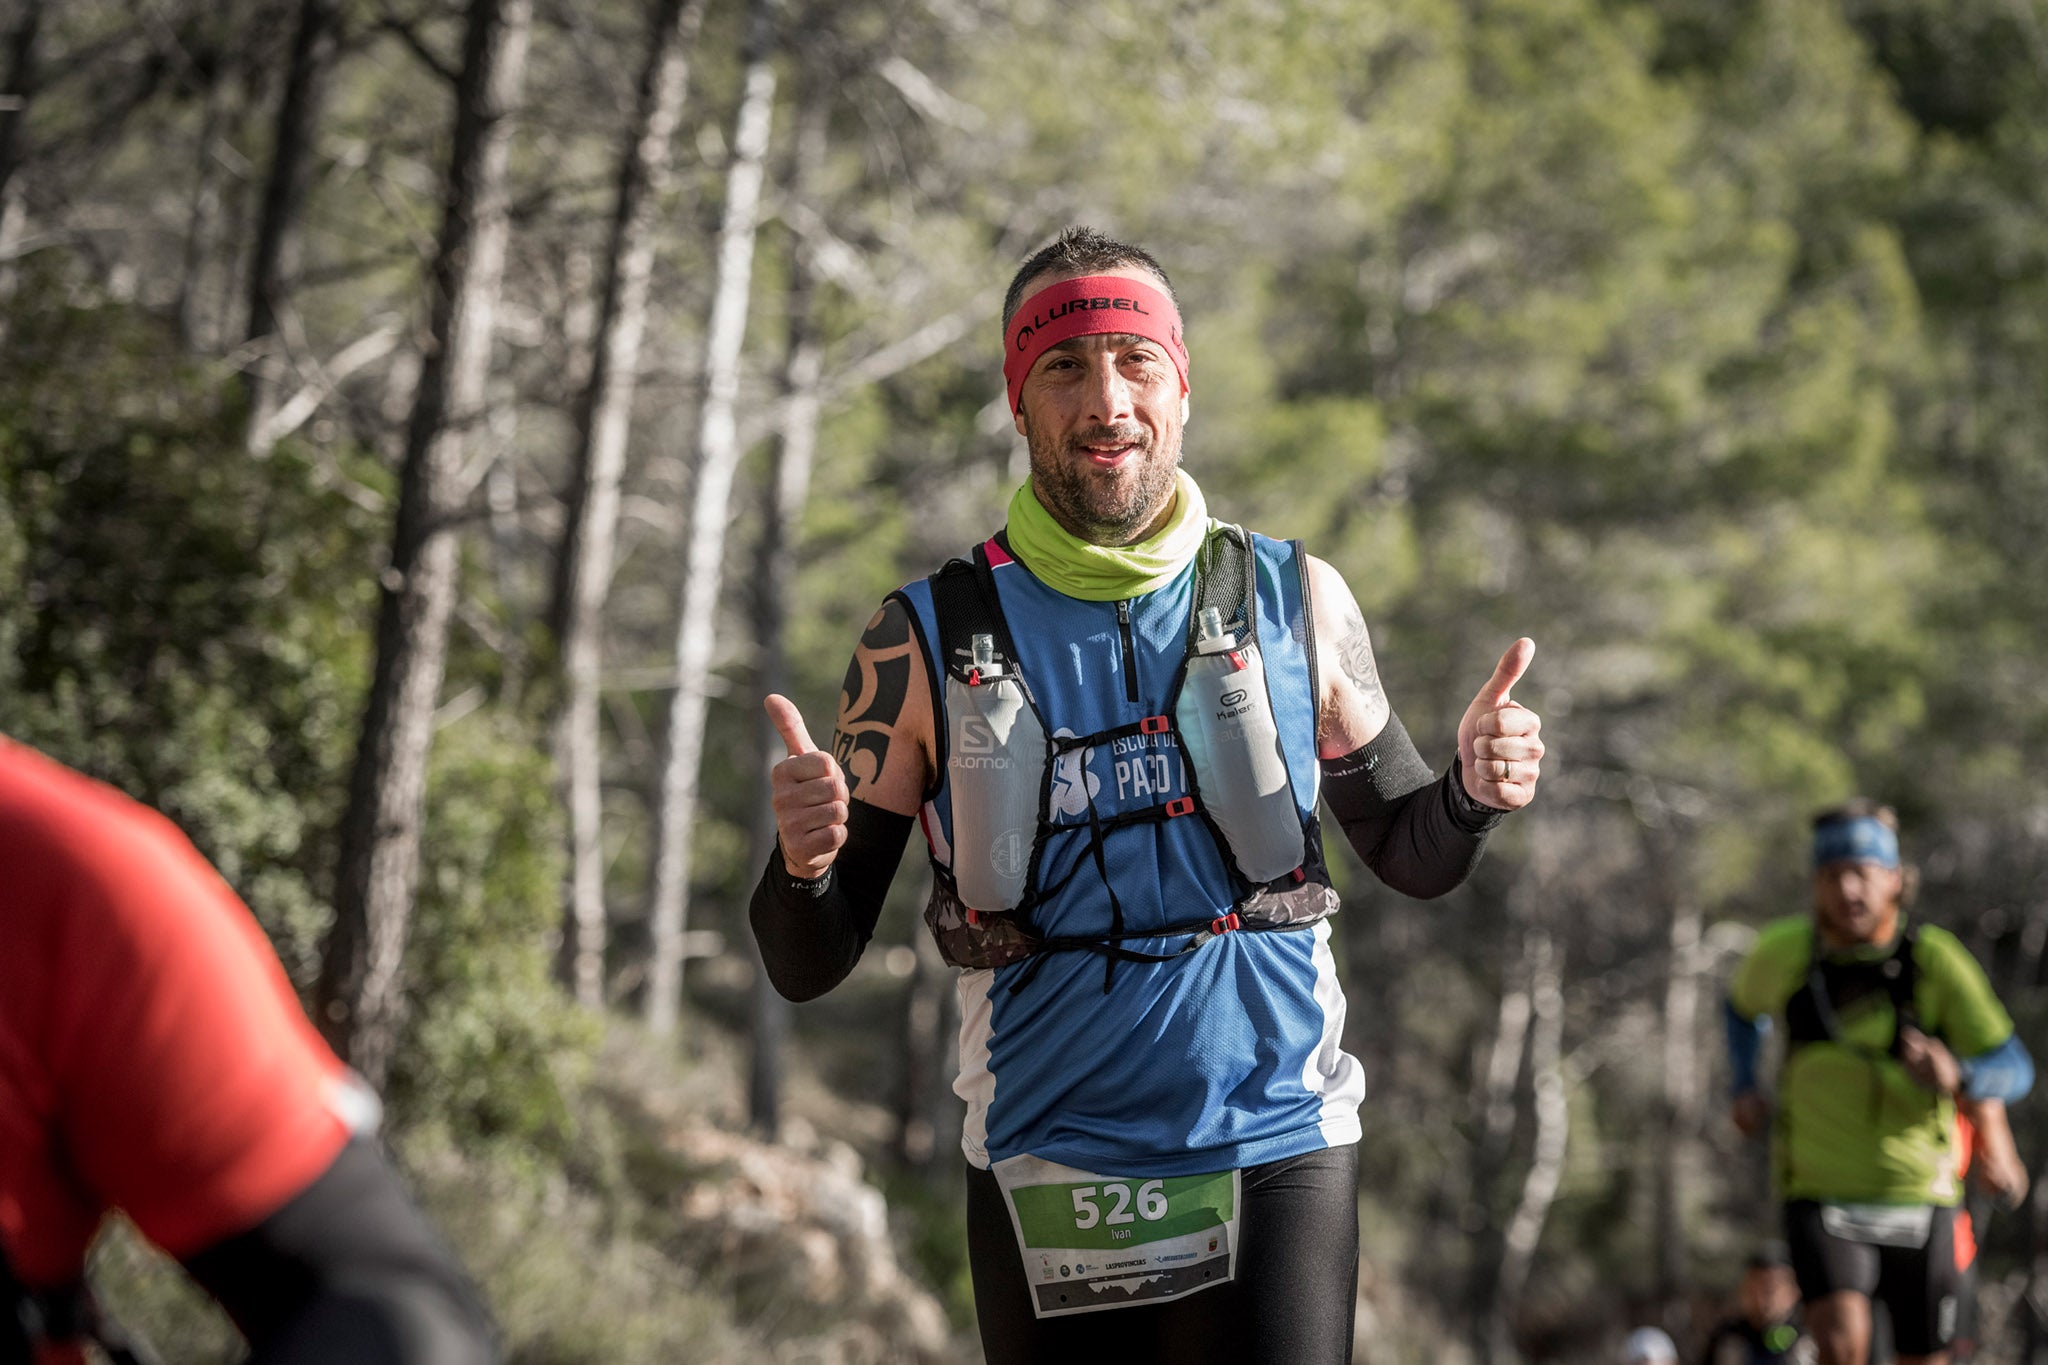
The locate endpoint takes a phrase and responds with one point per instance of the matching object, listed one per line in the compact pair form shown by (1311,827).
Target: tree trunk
(945,1112)
(1495,1105)
(775,557)
(1504,1063)
(1546,1166)
(17,88)
(929,1036)
(501,497)
(359,999)
(768,1012)
(17,92)
(583,568)
(718,453)
(203,223)
(1680,1117)
(275,262)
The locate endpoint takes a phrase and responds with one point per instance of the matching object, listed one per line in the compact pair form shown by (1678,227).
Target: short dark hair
(1081,250)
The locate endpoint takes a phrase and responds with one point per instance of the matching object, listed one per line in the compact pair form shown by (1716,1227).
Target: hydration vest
(1813,1012)
(1012,754)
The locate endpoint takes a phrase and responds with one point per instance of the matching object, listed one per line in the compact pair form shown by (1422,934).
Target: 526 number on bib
(1092,1240)
(1151,1204)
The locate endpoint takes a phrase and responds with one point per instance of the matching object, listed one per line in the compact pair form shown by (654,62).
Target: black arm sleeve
(1419,836)
(812,932)
(348,1273)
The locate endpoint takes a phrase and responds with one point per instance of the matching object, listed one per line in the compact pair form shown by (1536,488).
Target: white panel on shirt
(976,1084)
(1330,1071)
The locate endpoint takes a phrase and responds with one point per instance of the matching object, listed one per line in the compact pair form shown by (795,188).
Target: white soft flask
(995,764)
(1226,720)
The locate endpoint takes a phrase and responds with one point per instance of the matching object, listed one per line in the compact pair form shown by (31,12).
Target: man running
(154,1060)
(1113,724)
(1890,1026)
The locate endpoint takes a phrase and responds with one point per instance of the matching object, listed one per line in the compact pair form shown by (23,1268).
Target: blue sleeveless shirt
(1223,1057)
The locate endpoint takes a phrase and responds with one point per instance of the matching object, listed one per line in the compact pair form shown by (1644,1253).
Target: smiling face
(1102,415)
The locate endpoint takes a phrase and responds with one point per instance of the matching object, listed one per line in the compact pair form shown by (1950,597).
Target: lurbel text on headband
(1085,306)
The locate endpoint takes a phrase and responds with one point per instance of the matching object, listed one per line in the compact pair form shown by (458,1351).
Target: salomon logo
(976,737)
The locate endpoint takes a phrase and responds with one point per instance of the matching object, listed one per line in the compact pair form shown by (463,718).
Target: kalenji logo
(1025,329)
(1235,698)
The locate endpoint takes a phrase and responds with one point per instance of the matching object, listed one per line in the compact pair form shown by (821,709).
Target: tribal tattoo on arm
(871,699)
(1354,656)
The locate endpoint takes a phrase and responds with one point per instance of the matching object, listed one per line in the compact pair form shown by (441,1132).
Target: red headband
(1083,307)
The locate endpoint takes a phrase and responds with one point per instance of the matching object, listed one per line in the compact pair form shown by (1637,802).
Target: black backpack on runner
(1813,1013)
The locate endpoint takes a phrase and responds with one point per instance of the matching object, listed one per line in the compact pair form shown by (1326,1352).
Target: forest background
(426,430)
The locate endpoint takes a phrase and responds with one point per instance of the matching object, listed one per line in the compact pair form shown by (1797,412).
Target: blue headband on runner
(1859,839)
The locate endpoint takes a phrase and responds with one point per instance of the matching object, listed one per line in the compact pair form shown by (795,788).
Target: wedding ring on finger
(1507,770)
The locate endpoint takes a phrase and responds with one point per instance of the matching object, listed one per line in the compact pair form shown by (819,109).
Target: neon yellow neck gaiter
(1107,573)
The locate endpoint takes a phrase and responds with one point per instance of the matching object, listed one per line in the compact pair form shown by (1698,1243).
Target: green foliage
(493,1050)
(936,1218)
(573,1277)
(184,622)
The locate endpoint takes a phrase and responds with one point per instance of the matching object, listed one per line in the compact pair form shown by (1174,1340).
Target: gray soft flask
(995,763)
(1226,720)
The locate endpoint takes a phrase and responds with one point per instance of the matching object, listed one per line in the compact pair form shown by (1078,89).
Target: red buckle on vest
(1223,924)
(1181,805)
(974,677)
(973,916)
(1237,663)
(1152,725)
(1300,874)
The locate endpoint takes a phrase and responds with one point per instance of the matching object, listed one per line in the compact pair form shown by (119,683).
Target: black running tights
(1291,1303)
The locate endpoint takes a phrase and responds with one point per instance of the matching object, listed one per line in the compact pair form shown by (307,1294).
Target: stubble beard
(1102,507)
(1853,925)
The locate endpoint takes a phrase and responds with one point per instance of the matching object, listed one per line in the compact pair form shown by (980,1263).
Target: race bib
(1884,1225)
(1092,1242)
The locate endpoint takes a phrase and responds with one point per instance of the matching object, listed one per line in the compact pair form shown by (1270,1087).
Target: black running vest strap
(966,604)
(1813,1013)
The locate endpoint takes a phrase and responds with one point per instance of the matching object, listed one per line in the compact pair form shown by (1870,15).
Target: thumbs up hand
(1499,748)
(808,792)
